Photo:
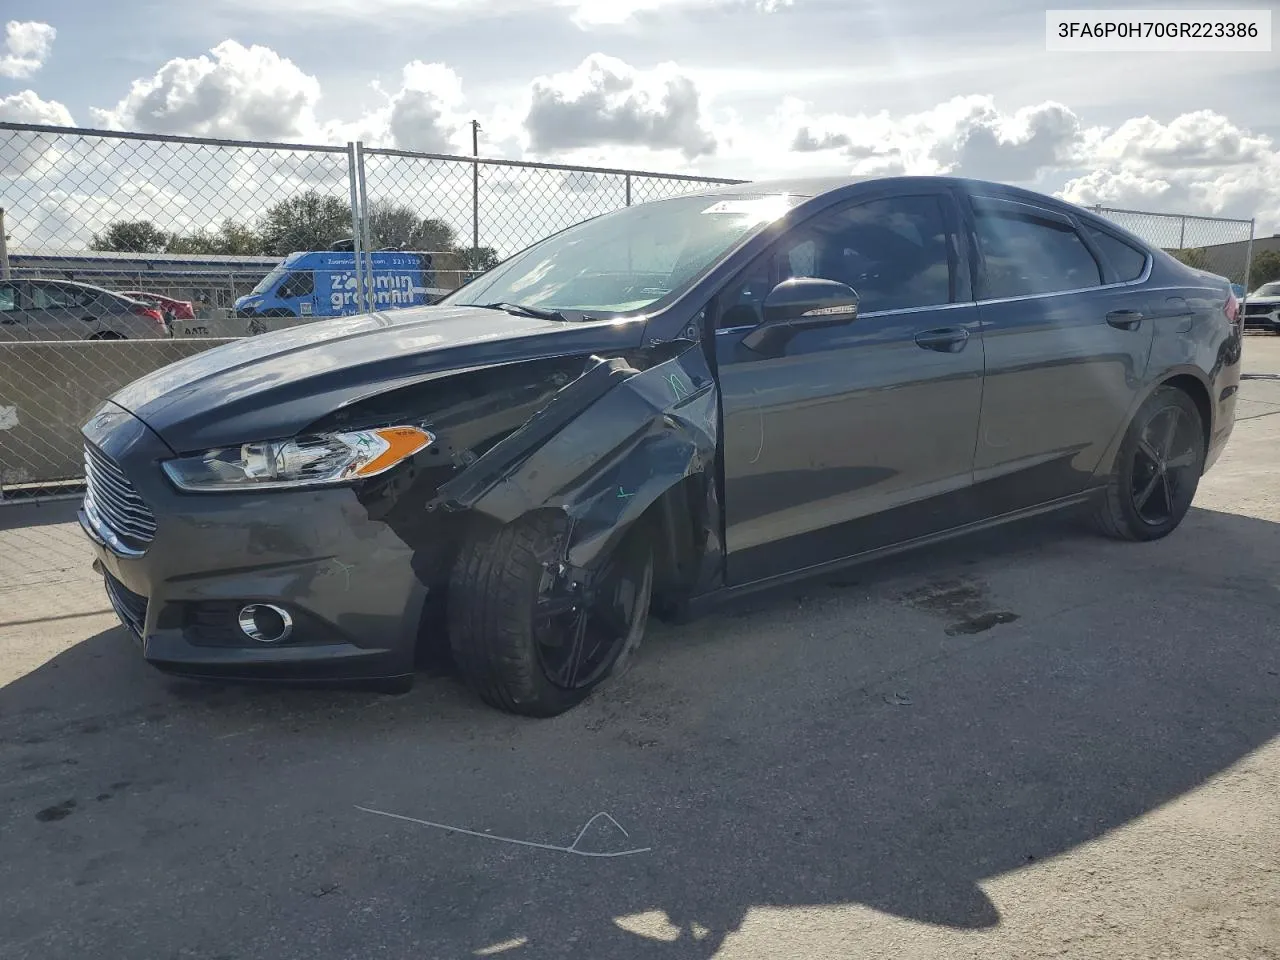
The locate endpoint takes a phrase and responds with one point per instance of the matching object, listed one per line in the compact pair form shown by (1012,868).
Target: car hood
(276,384)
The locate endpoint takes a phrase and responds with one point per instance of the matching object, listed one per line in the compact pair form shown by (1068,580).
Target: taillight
(1232,308)
(151,313)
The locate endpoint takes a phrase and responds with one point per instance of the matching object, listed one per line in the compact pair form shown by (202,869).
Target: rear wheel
(1157,470)
(529,637)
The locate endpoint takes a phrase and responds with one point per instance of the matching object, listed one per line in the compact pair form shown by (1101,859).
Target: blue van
(322,283)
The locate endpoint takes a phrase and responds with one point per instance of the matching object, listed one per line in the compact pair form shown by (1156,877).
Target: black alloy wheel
(581,629)
(1167,462)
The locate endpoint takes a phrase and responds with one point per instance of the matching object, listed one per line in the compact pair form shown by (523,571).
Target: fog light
(265,623)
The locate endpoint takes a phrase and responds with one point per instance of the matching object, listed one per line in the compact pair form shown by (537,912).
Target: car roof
(77,283)
(811,187)
(817,186)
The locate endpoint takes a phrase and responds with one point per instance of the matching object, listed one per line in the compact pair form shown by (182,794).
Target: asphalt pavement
(1031,743)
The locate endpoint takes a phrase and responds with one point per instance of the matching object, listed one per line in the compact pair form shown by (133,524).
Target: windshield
(271,279)
(627,260)
(1268,290)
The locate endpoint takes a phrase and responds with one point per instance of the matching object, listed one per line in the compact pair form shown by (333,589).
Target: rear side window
(1127,261)
(1026,255)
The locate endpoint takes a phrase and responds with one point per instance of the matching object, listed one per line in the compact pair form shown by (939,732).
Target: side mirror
(799,304)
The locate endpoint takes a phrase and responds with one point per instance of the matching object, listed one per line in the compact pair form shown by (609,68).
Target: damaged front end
(603,441)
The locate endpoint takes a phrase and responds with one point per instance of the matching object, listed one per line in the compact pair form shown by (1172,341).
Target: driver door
(857,436)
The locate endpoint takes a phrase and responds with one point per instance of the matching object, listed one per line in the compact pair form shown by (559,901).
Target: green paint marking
(678,387)
(623,495)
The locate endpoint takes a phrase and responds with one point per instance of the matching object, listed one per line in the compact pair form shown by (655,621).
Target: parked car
(171,308)
(679,402)
(1262,308)
(39,309)
(322,283)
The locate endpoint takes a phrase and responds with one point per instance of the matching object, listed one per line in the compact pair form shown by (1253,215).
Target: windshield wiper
(522,309)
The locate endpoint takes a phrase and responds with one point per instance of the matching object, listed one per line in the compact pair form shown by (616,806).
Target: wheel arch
(623,445)
(1191,381)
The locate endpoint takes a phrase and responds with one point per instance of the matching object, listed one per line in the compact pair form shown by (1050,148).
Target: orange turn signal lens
(400,442)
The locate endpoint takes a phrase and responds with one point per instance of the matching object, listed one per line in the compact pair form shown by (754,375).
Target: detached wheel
(1157,471)
(527,636)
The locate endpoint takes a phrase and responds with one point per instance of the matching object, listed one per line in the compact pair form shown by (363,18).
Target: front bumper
(1270,320)
(347,580)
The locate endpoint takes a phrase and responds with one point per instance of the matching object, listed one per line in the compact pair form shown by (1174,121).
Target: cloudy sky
(737,88)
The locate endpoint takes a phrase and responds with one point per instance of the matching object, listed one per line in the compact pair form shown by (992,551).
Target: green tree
(130,236)
(1197,258)
(309,221)
(1264,268)
(391,226)
(433,236)
(232,238)
(480,259)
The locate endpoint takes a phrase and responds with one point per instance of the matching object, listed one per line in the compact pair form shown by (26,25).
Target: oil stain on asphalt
(962,601)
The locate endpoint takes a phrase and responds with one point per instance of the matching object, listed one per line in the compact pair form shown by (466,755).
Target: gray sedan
(40,309)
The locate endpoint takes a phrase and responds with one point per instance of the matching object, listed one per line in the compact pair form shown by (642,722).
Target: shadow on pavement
(815,747)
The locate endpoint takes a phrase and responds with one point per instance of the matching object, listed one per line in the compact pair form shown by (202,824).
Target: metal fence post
(473,260)
(628,179)
(4,249)
(1182,233)
(366,239)
(1248,260)
(356,247)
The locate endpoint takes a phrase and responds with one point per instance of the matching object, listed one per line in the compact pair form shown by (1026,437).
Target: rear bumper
(346,580)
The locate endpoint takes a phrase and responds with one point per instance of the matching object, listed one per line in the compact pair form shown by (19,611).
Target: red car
(173,309)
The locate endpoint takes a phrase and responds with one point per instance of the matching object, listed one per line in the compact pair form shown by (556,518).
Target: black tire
(510,619)
(108,335)
(1157,469)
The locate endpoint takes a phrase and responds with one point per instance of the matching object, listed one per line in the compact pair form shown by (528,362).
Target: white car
(1262,308)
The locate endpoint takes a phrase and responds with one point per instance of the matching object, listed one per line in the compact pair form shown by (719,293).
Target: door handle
(944,340)
(1125,319)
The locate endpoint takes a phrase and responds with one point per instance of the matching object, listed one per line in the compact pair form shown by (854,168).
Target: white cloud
(27,107)
(606,102)
(28,156)
(239,92)
(965,136)
(424,115)
(27,45)
(1198,162)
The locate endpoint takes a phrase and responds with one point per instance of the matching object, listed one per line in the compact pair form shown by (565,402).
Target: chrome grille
(112,505)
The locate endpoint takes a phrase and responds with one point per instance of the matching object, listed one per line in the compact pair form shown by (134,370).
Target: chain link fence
(121,253)
(1217,244)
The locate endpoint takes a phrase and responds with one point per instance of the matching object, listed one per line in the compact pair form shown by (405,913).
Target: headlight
(302,461)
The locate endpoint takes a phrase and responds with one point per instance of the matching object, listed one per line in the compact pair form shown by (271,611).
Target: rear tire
(1157,469)
(522,639)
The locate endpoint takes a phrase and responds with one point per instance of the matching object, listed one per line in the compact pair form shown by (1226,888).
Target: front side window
(8,298)
(298,285)
(267,283)
(897,253)
(628,260)
(1027,255)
